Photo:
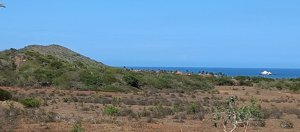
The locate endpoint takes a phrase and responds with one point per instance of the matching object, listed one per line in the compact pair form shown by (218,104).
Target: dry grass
(142,110)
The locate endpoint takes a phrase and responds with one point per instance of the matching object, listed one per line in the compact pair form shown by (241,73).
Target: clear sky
(200,33)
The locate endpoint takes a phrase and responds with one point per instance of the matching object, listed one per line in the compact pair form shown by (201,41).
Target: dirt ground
(87,107)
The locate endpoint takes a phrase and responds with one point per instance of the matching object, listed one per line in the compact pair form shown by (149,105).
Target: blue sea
(277,72)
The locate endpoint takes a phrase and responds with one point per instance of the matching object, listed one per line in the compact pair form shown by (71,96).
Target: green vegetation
(31,102)
(160,111)
(110,111)
(193,108)
(5,95)
(132,81)
(56,66)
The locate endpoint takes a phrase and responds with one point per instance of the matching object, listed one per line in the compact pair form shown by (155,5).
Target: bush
(5,95)
(193,108)
(90,80)
(111,111)
(77,127)
(31,103)
(286,124)
(244,114)
(160,112)
(132,81)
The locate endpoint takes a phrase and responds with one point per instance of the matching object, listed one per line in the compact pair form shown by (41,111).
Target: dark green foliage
(31,102)
(132,81)
(5,95)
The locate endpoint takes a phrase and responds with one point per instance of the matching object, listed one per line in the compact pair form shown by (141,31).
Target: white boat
(266,73)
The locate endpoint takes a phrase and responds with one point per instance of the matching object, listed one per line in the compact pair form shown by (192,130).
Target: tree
(132,81)
(233,116)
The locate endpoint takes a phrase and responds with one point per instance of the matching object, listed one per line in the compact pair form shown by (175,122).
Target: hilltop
(62,53)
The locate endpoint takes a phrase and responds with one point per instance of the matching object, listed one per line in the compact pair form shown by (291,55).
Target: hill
(57,66)
(61,53)
(53,65)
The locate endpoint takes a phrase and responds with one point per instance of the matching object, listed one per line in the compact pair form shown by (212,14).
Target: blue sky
(188,33)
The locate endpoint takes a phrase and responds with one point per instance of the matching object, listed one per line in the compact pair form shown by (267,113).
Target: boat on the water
(266,73)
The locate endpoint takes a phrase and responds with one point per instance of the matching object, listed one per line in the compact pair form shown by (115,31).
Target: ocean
(277,72)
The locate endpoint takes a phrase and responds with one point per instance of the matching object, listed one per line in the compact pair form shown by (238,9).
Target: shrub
(5,95)
(116,101)
(199,116)
(160,112)
(111,111)
(132,81)
(286,124)
(234,115)
(77,127)
(31,102)
(180,116)
(178,107)
(193,108)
